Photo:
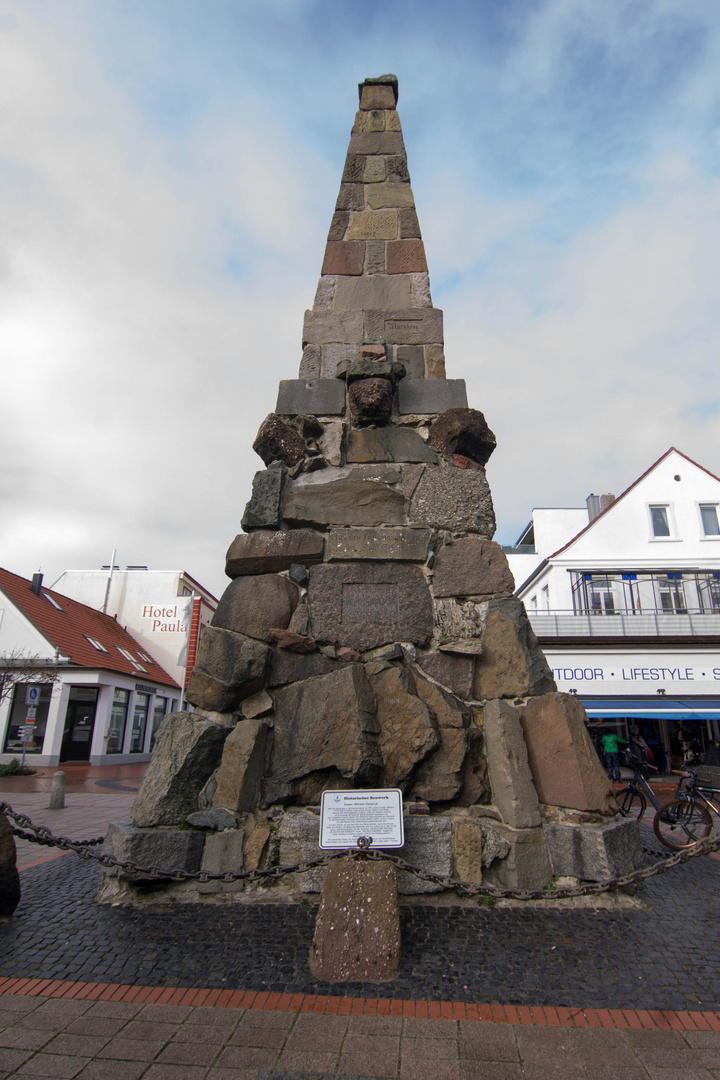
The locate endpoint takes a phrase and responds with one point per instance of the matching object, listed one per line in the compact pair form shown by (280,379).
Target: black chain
(38,834)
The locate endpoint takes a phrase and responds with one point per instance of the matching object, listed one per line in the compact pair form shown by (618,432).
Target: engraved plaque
(369,603)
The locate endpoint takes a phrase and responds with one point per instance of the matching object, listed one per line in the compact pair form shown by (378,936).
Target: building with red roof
(103,696)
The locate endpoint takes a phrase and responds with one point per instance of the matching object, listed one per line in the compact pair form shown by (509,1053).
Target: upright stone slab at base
(9,876)
(357,930)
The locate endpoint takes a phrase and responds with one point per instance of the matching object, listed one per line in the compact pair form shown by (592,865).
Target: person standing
(611,748)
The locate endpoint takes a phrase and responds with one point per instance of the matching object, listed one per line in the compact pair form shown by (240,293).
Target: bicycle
(686,819)
(634,798)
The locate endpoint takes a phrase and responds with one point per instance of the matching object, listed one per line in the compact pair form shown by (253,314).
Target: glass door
(79,724)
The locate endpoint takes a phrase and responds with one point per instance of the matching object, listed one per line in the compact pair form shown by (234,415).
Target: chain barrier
(38,834)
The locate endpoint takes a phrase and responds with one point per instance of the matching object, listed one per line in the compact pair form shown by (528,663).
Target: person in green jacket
(611,748)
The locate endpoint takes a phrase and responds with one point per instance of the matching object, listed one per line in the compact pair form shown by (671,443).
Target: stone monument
(369,635)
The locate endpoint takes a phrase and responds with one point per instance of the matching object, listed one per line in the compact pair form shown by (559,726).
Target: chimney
(36,584)
(597,503)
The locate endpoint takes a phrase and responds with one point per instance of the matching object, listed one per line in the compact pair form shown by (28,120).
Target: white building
(109,695)
(164,610)
(624,596)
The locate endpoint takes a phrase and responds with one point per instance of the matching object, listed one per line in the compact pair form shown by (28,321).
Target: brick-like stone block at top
(256,604)
(345,257)
(406,257)
(378,95)
(563,761)
(365,605)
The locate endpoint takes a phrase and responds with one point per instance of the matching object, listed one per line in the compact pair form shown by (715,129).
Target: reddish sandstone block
(344,257)
(378,96)
(405,257)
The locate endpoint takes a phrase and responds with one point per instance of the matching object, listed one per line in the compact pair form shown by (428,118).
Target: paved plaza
(224,992)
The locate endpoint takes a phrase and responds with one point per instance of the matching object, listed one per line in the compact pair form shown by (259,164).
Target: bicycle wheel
(682,823)
(631,802)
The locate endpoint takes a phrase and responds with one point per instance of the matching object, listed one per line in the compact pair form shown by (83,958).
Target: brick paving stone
(52,1066)
(432,1049)
(80,1045)
(709,1039)
(280,1021)
(13,1059)
(186,1053)
(429,1070)
(308,1061)
(17,1004)
(490,1070)
(374,1025)
(119,1010)
(112,1070)
(18,1038)
(380,1064)
(176,1072)
(436,1029)
(132,1049)
(169,1014)
(247,1057)
(269,1037)
(232,1074)
(613,1072)
(95,1025)
(693,1073)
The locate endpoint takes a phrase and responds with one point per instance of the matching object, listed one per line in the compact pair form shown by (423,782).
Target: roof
(614,503)
(69,626)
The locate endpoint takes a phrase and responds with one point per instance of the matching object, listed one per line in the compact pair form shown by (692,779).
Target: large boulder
(9,876)
(462,431)
(187,750)
(512,663)
(229,668)
(563,761)
(472,567)
(439,777)
(408,733)
(243,763)
(454,499)
(594,851)
(363,605)
(256,604)
(324,727)
(511,782)
(167,849)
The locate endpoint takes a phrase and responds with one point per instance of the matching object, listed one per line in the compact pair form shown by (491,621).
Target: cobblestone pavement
(118,1040)
(663,956)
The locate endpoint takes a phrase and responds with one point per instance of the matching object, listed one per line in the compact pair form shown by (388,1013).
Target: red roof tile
(69,628)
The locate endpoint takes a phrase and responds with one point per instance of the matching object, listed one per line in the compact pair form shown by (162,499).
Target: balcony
(648,624)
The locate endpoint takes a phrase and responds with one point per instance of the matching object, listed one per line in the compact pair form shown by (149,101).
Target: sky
(168,171)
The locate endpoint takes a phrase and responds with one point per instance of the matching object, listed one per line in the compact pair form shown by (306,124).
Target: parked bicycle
(634,798)
(687,820)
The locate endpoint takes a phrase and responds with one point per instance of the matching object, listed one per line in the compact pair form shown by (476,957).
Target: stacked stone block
(369,636)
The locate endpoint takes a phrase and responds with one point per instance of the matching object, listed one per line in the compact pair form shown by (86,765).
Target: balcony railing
(623,624)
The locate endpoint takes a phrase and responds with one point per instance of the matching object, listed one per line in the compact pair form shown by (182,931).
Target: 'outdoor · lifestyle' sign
(347,815)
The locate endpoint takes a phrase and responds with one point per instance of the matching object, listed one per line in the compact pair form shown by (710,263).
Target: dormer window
(95,643)
(129,656)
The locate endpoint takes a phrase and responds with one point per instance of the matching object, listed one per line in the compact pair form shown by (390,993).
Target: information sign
(27,734)
(31,714)
(347,815)
(32,695)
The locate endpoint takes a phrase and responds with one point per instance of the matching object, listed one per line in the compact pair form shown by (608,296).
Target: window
(546,597)
(95,643)
(709,593)
(28,718)
(118,719)
(145,657)
(672,595)
(142,703)
(659,521)
(129,656)
(159,711)
(53,602)
(710,520)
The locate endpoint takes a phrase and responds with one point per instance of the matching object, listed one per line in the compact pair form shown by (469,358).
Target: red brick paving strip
(265,1001)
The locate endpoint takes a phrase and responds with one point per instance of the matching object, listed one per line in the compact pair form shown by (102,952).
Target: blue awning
(660,708)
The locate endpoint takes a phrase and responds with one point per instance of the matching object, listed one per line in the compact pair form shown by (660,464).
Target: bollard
(57,793)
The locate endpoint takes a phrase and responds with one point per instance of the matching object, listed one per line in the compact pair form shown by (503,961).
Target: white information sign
(347,815)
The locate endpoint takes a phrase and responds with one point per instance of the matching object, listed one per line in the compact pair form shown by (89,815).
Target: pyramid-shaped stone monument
(369,636)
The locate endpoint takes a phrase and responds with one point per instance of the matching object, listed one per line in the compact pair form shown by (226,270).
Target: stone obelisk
(369,636)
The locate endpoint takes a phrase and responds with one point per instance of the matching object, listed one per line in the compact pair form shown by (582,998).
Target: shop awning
(660,708)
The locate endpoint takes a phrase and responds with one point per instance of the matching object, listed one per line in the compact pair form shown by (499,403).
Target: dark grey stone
(406,544)
(286,667)
(453,499)
(169,849)
(594,852)
(455,672)
(9,876)
(513,790)
(348,498)
(390,443)
(229,667)
(512,663)
(270,552)
(187,750)
(463,431)
(412,357)
(256,604)
(363,605)
(320,397)
(263,509)
(428,846)
(427,396)
(217,818)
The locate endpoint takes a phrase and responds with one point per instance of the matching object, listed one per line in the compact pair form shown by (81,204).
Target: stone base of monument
(9,877)
(357,930)
(470,844)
